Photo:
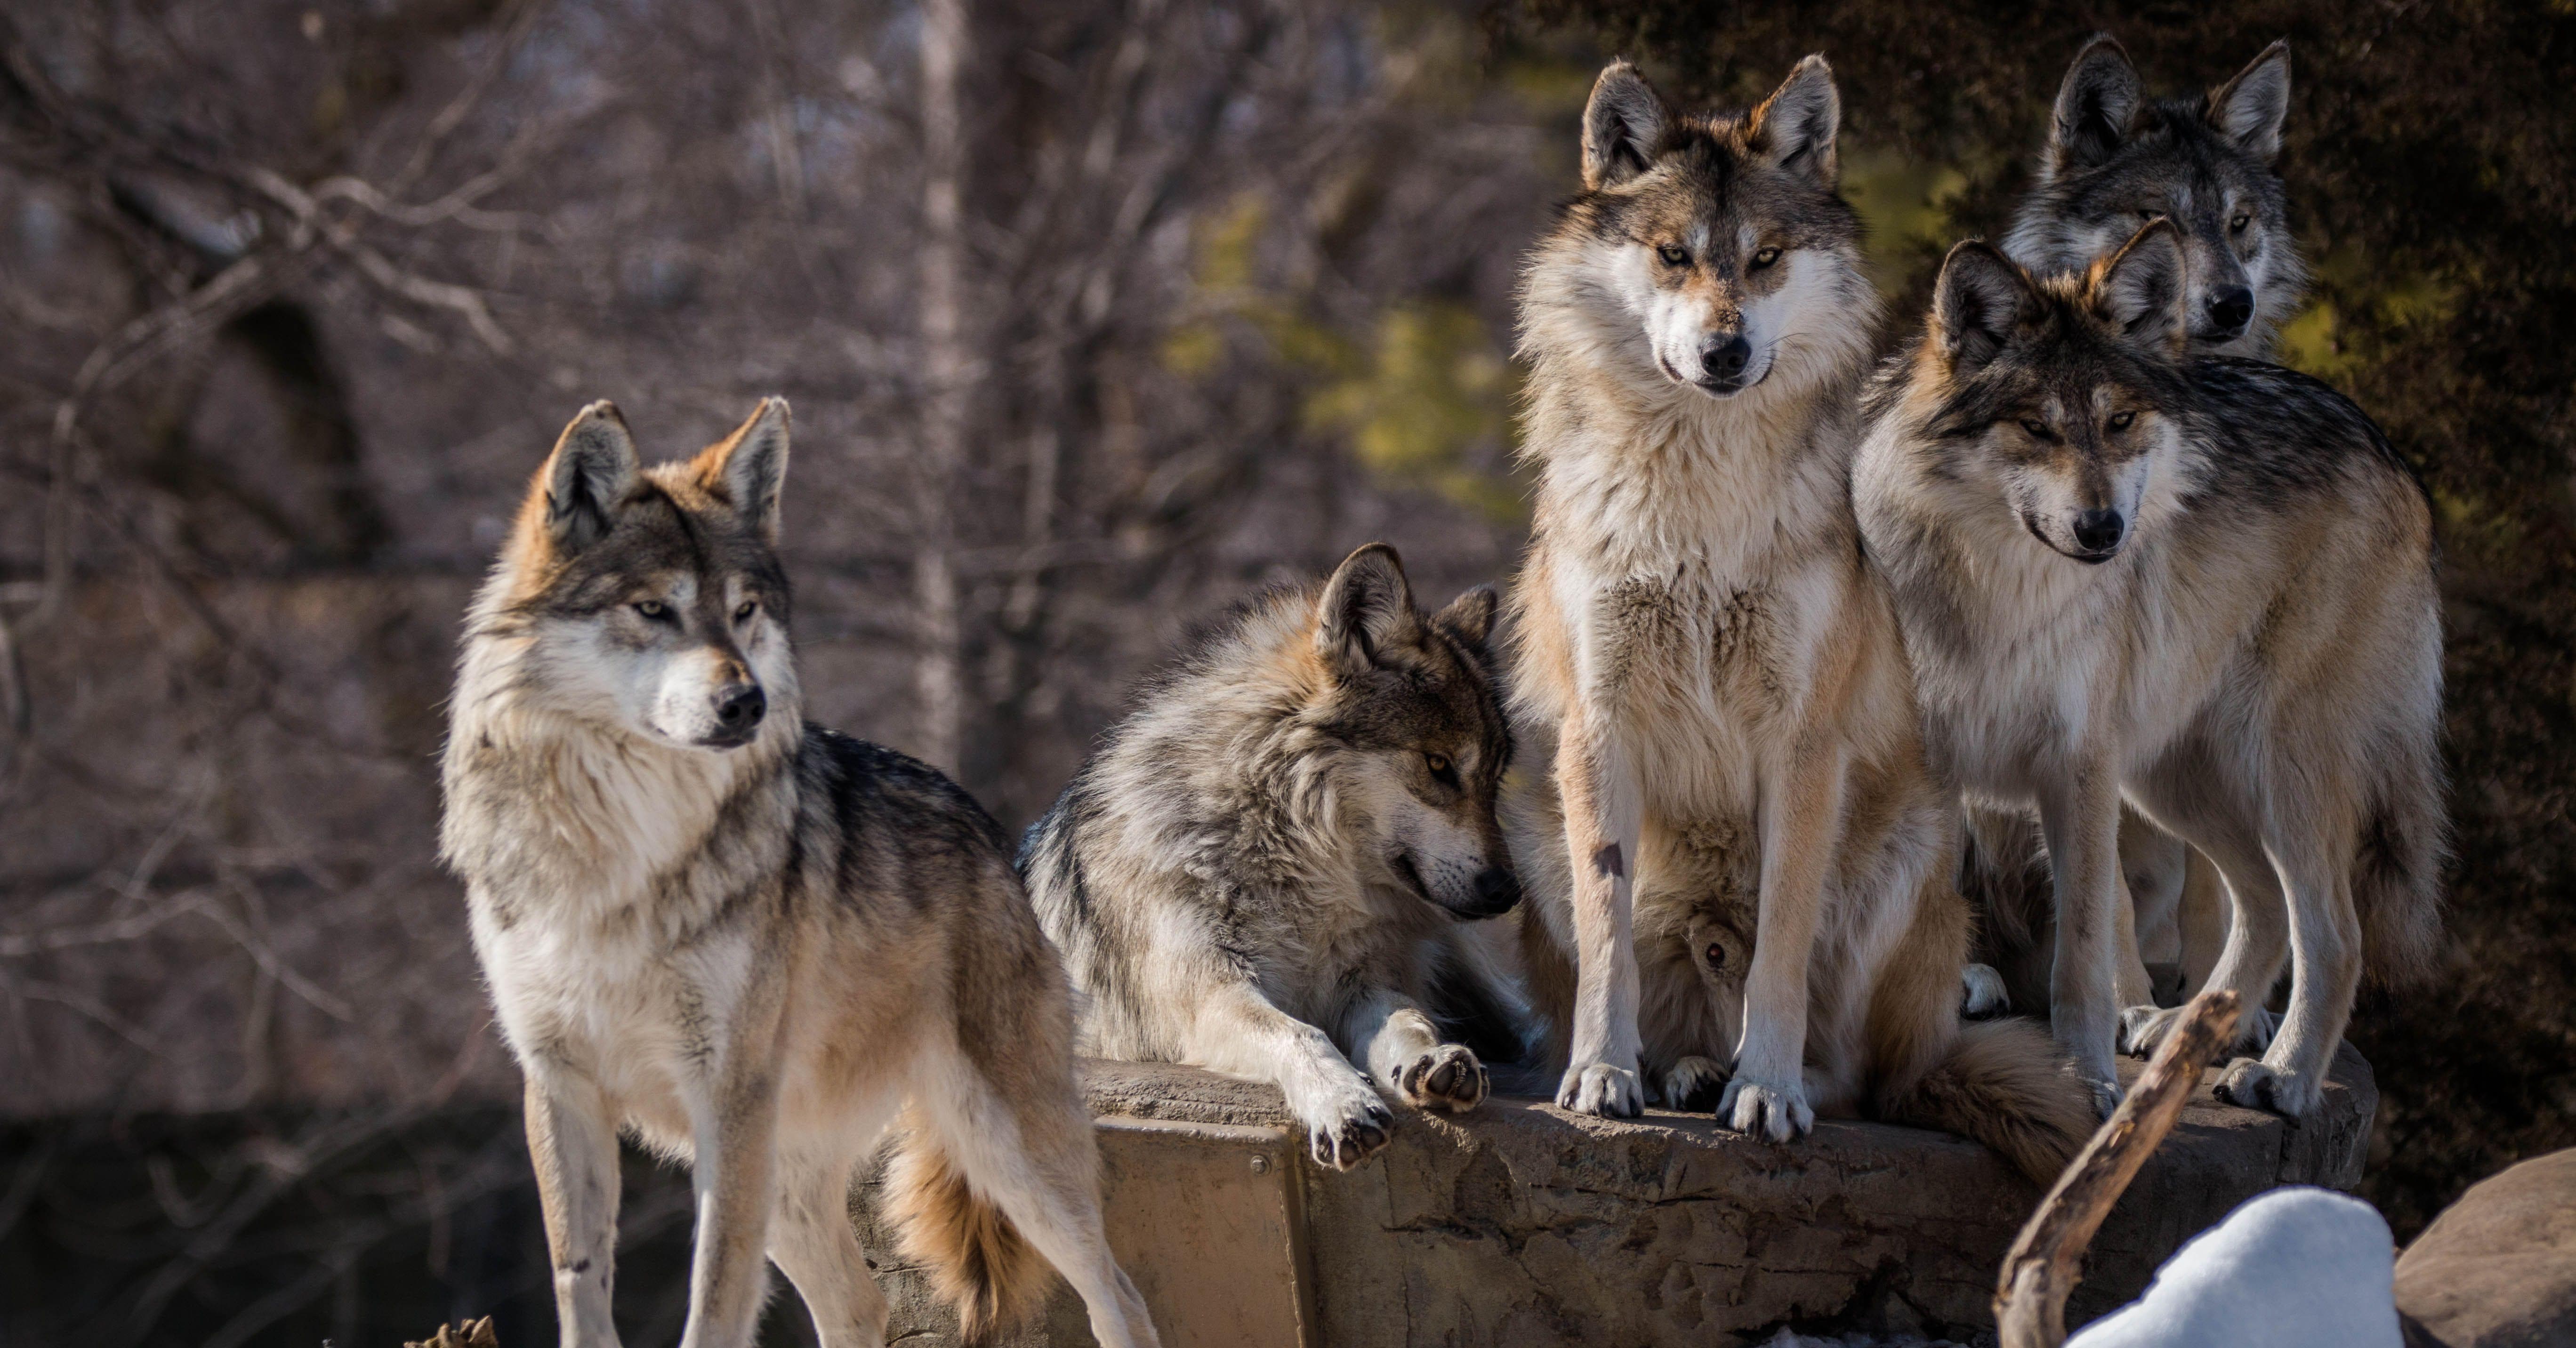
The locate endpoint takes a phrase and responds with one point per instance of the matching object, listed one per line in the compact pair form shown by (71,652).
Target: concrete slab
(1523,1225)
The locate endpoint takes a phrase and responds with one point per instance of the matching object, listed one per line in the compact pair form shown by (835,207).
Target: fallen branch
(2046,1261)
(470,1334)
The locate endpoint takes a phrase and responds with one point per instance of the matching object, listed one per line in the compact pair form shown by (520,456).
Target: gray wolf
(1265,867)
(2114,159)
(747,941)
(1738,861)
(2202,584)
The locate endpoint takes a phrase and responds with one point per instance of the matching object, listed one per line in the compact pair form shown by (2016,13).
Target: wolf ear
(1623,126)
(2140,289)
(592,469)
(1469,617)
(1367,608)
(2250,108)
(2094,107)
(750,464)
(1795,127)
(1981,298)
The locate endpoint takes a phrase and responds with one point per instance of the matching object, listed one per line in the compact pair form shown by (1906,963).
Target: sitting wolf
(744,940)
(1264,866)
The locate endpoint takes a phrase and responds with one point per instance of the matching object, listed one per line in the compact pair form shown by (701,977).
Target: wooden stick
(470,1334)
(2046,1261)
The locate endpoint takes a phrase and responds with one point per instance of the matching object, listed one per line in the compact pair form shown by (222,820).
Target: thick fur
(1737,859)
(2115,158)
(2246,646)
(1267,867)
(745,940)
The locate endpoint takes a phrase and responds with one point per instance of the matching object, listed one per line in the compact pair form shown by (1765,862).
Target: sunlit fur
(1266,867)
(2257,670)
(754,946)
(1719,747)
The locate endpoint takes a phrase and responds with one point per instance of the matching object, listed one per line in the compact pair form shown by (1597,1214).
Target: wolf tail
(975,1257)
(2397,875)
(2003,1083)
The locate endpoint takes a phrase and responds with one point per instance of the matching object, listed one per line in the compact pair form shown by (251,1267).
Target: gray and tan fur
(747,942)
(2202,584)
(1737,860)
(2115,159)
(1264,869)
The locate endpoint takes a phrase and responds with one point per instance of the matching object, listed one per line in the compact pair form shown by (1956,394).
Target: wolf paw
(1599,1088)
(2250,1084)
(1448,1077)
(2106,1094)
(2142,1028)
(1353,1136)
(1982,992)
(1694,1083)
(1756,1109)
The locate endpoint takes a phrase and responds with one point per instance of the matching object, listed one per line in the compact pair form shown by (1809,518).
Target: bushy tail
(2005,1084)
(975,1257)
(2397,880)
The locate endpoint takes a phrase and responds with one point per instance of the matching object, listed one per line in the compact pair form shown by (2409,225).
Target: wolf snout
(2230,309)
(1498,891)
(2098,533)
(739,707)
(1722,362)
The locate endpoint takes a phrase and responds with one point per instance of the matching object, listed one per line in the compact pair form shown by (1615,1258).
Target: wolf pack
(2069,659)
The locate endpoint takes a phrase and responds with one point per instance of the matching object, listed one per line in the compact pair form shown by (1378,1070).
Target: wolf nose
(2230,309)
(2099,530)
(740,708)
(1497,890)
(1726,359)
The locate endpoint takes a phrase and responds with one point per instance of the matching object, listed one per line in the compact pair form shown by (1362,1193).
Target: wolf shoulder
(2273,436)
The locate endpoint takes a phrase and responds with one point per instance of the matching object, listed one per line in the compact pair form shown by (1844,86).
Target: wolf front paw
(2142,1028)
(1760,1109)
(1599,1088)
(1448,1077)
(1359,1130)
(2105,1090)
(1694,1083)
(1981,992)
(2249,1083)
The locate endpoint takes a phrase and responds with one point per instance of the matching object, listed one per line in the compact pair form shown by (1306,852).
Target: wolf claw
(1758,1109)
(1448,1077)
(1354,1138)
(1599,1088)
(1693,1082)
(2250,1083)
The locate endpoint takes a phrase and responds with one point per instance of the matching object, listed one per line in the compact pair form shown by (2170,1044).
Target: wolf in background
(1265,868)
(747,941)
(2204,584)
(2111,160)
(1738,861)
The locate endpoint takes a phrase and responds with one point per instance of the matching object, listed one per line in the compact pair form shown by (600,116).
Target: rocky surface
(2498,1268)
(1523,1225)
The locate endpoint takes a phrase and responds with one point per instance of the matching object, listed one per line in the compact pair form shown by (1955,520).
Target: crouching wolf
(1265,866)
(1738,861)
(2206,585)
(747,941)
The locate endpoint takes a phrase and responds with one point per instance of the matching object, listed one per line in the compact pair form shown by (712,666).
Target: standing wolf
(2112,160)
(1724,754)
(1264,867)
(2204,584)
(746,940)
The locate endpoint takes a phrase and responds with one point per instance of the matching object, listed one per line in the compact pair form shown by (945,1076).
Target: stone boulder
(2498,1268)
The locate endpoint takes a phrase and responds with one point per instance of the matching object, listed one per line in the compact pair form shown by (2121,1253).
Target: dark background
(295,296)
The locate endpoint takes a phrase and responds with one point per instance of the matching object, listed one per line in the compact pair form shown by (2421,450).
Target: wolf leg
(1404,1053)
(1604,813)
(573,1139)
(2325,972)
(1239,1031)
(2257,937)
(1027,1148)
(2081,817)
(733,1120)
(1767,1096)
(812,1242)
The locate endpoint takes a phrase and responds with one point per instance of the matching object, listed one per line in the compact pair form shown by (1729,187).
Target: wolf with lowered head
(1737,859)
(748,942)
(1264,868)
(2205,585)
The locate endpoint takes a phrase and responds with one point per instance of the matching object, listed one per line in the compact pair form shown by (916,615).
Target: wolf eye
(1440,767)
(2038,430)
(2237,225)
(749,607)
(1765,258)
(1716,955)
(2120,420)
(1673,256)
(654,610)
